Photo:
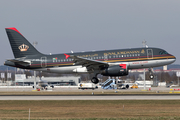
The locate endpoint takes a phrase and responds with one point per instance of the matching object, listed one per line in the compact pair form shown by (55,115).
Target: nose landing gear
(151,76)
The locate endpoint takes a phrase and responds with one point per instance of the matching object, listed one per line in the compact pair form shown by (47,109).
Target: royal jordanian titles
(106,62)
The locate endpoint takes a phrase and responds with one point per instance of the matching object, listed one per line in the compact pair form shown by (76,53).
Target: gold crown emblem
(142,51)
(23,47)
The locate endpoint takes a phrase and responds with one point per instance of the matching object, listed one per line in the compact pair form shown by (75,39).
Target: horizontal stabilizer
(20,62)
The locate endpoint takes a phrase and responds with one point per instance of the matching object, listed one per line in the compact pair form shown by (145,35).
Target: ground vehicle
(134,86)
(122,86)
(87,86)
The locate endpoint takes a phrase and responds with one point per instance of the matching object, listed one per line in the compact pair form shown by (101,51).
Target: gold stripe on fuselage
(138,59)
(124,60)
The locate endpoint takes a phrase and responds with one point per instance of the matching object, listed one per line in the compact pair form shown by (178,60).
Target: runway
(93,97)
(71,93)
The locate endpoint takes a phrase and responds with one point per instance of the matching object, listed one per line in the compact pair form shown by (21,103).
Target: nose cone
(173,59)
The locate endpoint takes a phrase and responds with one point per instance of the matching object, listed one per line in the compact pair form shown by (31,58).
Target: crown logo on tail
(23,47)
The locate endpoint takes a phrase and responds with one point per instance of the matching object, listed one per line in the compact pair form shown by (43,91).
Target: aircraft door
(43,61)
(149,53)
(105,57)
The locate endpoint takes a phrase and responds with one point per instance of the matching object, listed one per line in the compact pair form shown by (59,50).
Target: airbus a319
(106,62)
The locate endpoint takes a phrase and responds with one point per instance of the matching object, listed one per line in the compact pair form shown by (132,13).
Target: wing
(88,63)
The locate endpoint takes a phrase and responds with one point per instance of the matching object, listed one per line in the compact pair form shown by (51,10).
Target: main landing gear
(151,76)
(95,79)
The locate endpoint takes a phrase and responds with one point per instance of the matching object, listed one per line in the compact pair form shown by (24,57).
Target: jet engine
(116,70)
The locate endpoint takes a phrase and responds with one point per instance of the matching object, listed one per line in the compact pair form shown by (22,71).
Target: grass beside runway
(91,109)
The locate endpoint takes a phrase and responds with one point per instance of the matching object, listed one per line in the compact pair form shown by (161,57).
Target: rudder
(19,44)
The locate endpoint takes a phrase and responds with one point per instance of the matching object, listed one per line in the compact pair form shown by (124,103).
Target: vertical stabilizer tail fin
(19,44)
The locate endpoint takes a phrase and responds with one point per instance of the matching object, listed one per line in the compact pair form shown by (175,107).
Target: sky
(61,26)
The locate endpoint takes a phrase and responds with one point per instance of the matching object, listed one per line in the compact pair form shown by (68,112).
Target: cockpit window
(163,52)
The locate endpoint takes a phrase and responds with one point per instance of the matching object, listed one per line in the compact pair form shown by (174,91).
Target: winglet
(122,66)
(67,56)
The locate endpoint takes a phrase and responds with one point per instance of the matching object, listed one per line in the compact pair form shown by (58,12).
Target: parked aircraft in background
(42,84)
(106,62)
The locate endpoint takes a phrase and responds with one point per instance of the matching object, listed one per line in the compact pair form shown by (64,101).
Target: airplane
(105,62)
(42,84)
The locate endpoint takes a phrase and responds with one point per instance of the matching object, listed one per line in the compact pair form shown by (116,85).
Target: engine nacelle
(116,70)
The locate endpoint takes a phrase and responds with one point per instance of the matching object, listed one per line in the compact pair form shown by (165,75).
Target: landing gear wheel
(151,73)
(94,80)
(127,86)
(151,76)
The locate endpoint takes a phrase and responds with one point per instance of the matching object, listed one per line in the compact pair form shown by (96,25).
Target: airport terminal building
(21,80)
